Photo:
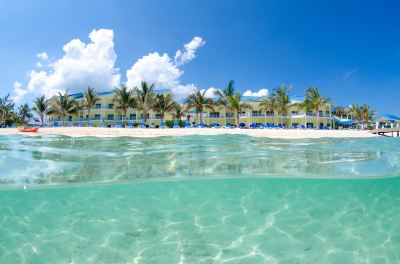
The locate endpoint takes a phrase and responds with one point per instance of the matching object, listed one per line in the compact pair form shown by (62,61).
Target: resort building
(105,113)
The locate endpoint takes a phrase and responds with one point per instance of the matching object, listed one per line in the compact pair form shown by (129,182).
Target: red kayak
(31,129)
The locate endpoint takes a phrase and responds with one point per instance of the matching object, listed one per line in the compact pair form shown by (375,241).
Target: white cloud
(189,53)
(39,65)
(260,93)
(210,92)
(163,71)
(18,92)
(82,65)
(42,56)
(349,74)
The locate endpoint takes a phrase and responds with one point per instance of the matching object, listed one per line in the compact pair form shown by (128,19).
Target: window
(295,112)
(110,106)
(310,125)
(132,117)
(327,113)
(269,113)
(97,117)
(110,117)
(158,116)
(97,106)
(147,116)
(321,113)
(81,118)
(214,115)
(310,113)
(122,117)
(256,113)
(229,115)
(70,118)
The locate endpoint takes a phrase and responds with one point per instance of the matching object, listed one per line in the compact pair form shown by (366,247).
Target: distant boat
(28,129)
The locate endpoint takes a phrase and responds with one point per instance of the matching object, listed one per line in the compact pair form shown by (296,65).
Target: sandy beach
(156,132)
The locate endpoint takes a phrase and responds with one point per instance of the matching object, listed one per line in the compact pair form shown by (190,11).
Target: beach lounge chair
(188,125)
(253,125)
(176,124)
(228,125)
(142,125)
(162,124)
(214,125)
(202,125)
(280,126)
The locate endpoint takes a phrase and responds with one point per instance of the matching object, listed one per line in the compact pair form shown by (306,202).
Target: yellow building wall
(247,116)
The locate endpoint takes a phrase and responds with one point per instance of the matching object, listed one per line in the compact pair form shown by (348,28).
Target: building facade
(105,113)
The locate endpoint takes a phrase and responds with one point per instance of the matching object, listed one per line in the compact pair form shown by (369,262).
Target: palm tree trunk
(88,112)
(318,119)
(237,119)
(201,116)
(42,118)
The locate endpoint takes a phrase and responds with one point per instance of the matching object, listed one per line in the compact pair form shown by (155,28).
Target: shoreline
(162,132)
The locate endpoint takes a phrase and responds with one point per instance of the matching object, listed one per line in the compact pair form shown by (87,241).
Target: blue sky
(349,49)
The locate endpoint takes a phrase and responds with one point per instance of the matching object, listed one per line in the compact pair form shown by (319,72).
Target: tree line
(144,99)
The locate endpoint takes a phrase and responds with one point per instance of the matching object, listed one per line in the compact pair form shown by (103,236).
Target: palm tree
(163,104)
(6,109)
(283,101)
(24,113)
(124,99)
(145,98)
(63,105)
(228,91)
(339,111)
(90,99)
(269,103)
(177,111)
(235,104)
(355,112)
(199,102)
(367,113)
(41,107)
(315,100)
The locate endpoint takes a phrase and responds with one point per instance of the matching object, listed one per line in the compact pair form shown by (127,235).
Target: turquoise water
(217,199)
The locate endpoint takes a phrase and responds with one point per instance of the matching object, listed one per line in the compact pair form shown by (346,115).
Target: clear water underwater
(199,199)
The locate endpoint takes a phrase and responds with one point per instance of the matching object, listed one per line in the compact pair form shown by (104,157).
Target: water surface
(216,199)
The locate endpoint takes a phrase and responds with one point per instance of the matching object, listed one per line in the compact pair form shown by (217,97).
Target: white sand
(157,132)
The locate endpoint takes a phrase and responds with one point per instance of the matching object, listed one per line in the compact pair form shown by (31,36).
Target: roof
(80,95)
(388,117)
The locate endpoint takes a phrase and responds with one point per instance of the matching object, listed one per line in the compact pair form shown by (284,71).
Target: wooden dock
(387,132)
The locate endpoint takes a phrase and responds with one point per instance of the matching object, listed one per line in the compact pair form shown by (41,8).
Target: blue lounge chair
(253,125)
(302,127)
(162,124)
(214,125)
(142,125)
(228,125)
(188,125)
(202,125)
(176,124)
(280,126)
(242,125)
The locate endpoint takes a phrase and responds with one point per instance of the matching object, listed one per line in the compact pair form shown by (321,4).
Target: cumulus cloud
(18,92)
(210,92)
(82,65)
(163,71)
(260,93)
(42,56)
(189,52)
